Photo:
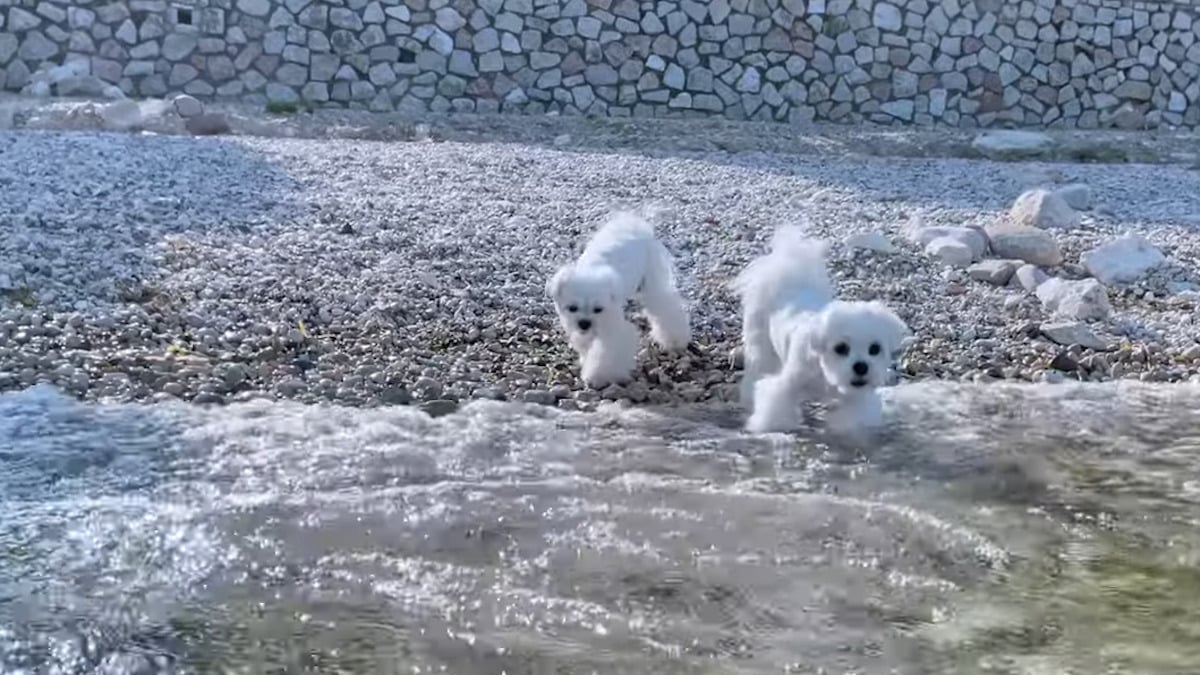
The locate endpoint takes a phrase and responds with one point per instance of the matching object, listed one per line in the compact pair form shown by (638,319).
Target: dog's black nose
(585,324)
(861,368)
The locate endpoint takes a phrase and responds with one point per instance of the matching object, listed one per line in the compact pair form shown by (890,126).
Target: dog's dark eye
(841,349)
(874,349)
(598,310)
(572,308)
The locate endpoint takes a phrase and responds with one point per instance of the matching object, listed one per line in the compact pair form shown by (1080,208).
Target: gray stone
(259,8)
(292,74)
(887,17)
(315,16)
(146,50)
(186,106)
(900,109)
(181,74)
(345,18)
(296,54)
(994,272)
(1077,195)
(1030,244)
(971,237)
(8,47)
(674,77)
(37,47)
(950,251)
(1138,91)
(79,18)
(178,46)
(323,67)
(220,68)
(461,63)
(127,32)
(1067,333)
(491,62)
(20,20)
(381,75)
(486,40)
(446,18)
(1030,277)
(274,42)
(749,82)
(601,74)
(1083,300)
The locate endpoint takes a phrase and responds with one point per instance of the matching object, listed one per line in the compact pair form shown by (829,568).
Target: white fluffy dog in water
(622,260)
(801,344)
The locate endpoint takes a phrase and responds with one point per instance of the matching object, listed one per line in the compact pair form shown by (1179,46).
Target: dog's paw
(600,381)
(762,424)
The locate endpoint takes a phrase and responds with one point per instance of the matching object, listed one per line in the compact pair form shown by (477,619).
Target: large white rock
(1081,300)
(1069,333)
(1012,144)
(871,241)
(1123,260)
(950,251)
(974,239)
(1044,209)
(1029,244)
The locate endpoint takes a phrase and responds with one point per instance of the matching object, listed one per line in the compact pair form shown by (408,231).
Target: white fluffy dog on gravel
(622,260)
(801,344)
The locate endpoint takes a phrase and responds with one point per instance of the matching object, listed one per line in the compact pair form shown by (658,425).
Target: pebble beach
(382,268)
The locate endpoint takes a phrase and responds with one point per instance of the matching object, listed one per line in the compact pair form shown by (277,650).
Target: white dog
(801,344)
(623,259)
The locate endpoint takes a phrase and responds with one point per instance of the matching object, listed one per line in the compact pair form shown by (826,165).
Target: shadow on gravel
(85,213)
(888,165)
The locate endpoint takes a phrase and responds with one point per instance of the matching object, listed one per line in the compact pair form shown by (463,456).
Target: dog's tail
(630,223)
(792,241)
(795,262)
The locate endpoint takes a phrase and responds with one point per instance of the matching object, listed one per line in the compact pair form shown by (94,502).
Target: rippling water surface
(994,530)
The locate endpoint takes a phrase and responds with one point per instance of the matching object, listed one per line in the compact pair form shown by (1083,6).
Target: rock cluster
(1023,242)
(971,63)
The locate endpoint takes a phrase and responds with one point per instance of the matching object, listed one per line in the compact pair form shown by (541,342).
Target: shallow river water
(994,529)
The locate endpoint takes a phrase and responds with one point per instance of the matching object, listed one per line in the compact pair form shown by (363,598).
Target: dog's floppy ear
(555,284)
(894,328)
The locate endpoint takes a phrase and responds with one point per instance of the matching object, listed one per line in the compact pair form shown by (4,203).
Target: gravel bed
(368,272)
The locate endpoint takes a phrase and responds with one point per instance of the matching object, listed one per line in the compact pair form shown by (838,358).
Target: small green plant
(22,296)
(834,26)
(283,107)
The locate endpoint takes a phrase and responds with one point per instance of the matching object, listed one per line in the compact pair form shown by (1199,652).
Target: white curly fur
(622,261)
(801,344)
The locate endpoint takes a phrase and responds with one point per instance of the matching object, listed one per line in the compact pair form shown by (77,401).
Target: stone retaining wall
(964,63)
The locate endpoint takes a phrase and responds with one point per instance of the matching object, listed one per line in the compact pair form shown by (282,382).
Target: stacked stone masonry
(967,63)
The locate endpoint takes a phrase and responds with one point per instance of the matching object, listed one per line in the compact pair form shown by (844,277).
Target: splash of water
(992,529)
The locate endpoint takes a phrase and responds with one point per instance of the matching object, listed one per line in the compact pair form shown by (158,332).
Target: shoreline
(380,273)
